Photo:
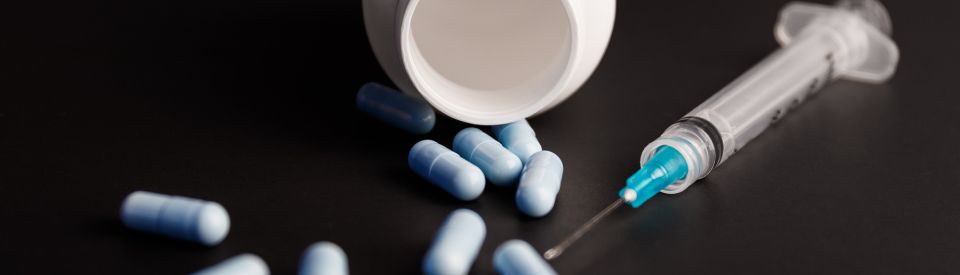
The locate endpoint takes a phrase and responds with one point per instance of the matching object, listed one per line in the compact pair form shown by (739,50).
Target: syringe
(819,44)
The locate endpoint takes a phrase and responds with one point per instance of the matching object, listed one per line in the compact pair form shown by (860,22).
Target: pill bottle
(489,62)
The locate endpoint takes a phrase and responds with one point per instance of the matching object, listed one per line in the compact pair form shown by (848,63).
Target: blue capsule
(393,107)
(540,184)
(194,220)
(243,264)
(519,138)
(517,257)
(446,169)
(456,244)
(323,258)
(497,163)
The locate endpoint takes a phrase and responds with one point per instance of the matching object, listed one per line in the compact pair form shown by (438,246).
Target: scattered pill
(323,258)
(539,184)
(446,169)
(393,107)
(519,138)
(243,264)
(498,164)
(456,244)
(517,257)
(200,221)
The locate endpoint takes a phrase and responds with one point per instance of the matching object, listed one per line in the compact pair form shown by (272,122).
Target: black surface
(251,104)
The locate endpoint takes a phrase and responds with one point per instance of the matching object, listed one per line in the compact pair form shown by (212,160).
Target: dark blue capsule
(393,107)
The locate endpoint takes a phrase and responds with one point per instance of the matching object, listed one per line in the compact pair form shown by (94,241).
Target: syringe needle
(556,250)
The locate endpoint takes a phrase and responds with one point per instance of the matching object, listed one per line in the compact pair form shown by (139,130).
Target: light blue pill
(540,184)
(456,244)
(519,138)
(323,258)
(516,257)
(498,164)
(446,169)
(393,107)
(243,264)
(200,221)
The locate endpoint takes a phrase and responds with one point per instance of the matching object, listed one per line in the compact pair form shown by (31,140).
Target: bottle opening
(484,60)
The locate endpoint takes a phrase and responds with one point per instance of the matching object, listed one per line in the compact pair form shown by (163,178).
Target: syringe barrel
(761,96)
(822,52)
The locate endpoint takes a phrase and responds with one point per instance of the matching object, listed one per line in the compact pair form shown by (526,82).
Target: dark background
(251,104)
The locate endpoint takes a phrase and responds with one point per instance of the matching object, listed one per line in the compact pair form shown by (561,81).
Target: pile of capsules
(462,172)
(476,157)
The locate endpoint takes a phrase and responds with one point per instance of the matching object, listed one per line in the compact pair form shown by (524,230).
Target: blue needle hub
(666,167)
